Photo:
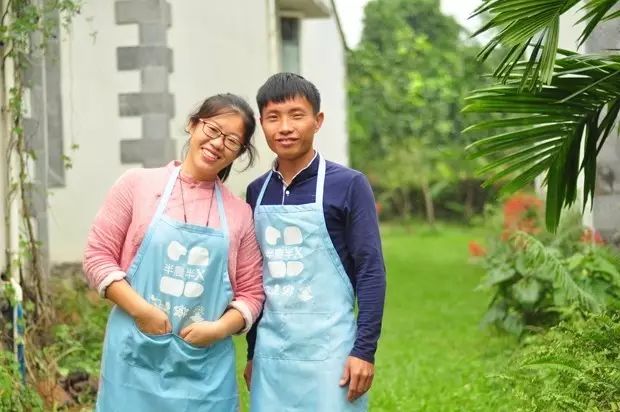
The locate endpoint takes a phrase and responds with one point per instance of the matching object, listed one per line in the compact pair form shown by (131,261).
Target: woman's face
(214,143)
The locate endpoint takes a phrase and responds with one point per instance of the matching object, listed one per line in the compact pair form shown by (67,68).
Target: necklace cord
(183,201)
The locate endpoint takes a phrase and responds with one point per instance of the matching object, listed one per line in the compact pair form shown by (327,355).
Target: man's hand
(202,333)
(247,374)
(152,320)
(358,375)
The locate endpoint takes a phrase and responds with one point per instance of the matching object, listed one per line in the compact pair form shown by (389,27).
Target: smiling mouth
(286,140)
(210,155)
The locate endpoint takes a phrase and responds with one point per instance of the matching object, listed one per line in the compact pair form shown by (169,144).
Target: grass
(432,355)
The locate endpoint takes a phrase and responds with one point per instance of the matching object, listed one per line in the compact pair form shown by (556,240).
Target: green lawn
(432,355)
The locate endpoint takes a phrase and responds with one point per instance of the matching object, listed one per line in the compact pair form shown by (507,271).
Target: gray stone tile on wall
(153,103)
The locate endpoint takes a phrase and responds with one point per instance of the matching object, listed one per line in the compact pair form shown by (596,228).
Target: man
(317,227)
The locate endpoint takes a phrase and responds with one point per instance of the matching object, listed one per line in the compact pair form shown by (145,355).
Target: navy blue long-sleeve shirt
(351,220)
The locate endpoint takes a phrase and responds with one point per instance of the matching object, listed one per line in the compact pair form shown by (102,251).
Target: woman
(176,252)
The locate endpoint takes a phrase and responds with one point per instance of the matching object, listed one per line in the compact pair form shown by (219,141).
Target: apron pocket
(294,336)
(145,351)
(195,362)
(168,355)
(173,370)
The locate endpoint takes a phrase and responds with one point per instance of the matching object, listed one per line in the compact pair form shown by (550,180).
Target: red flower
(476,249)
(592,236)
(522,212)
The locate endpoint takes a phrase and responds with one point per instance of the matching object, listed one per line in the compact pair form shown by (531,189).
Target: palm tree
(560,106)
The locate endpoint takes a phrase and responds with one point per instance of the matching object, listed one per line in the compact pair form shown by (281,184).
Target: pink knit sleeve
(249,294)
(107,234)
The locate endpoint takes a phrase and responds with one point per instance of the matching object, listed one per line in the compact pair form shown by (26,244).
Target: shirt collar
(311,169)
(189,179)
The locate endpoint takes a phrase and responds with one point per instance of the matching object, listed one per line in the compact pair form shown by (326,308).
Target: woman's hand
(206,332)
(148,318)
(152,320)
(203,333)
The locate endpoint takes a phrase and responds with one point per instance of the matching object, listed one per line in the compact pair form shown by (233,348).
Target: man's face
(289,127)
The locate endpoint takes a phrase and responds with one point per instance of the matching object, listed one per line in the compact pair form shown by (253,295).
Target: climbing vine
(26,27)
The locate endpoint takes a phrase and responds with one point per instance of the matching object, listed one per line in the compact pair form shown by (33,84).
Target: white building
(131,72)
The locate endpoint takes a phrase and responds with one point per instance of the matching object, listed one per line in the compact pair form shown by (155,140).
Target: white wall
(323,63)
(90,87)
(213,52)
(228,55)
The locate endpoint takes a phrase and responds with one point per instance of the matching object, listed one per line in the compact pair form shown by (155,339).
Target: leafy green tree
(427,178)
(407,83)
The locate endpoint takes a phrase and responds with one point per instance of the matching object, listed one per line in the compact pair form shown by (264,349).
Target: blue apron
(308,326)
(182,269)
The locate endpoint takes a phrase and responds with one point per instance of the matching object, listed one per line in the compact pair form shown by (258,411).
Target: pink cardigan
(123,219)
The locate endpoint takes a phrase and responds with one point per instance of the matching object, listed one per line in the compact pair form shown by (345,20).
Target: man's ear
(319,121)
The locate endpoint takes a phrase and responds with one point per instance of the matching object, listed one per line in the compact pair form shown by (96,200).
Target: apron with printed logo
(308,325)
(182,269)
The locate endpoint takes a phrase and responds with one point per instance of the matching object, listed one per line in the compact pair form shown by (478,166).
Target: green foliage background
(407,81)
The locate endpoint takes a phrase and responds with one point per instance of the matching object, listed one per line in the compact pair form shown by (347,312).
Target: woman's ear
(191,125)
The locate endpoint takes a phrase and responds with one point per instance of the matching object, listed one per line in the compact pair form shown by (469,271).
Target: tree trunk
(406,205)
(396,200)
(428,204)
(470,194)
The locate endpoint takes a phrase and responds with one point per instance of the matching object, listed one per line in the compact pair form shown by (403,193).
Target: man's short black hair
(285,86)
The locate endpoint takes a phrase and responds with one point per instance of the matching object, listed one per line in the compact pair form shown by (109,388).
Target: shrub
(538,278)
(14,396)
(574,366)
(68,356)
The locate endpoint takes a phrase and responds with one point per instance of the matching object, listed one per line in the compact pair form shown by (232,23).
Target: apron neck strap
(163,202)
(220,207)
(262,189)
(320,181)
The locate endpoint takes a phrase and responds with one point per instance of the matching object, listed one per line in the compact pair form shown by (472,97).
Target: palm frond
(548,129)
(534,24)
